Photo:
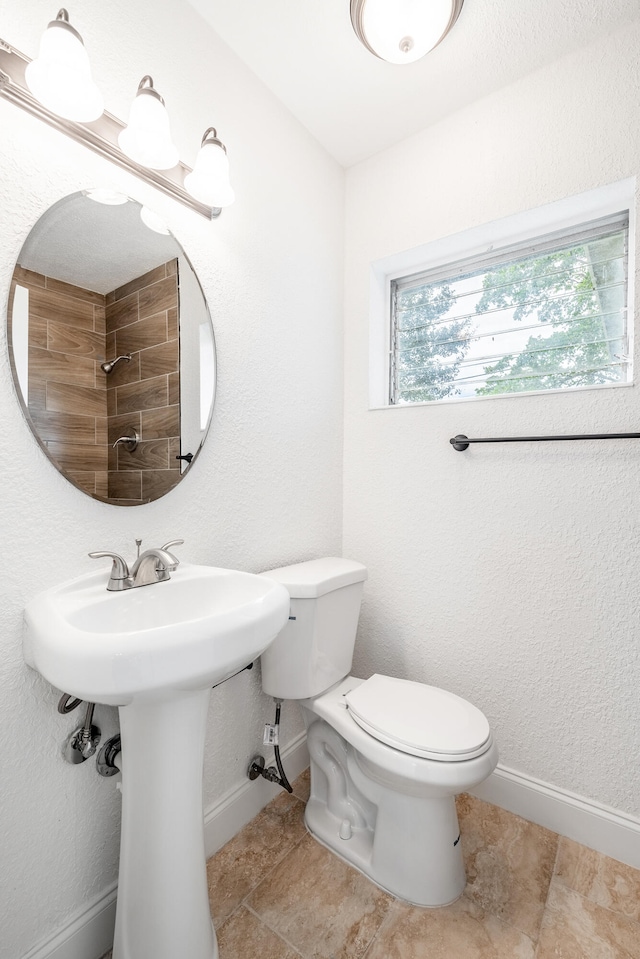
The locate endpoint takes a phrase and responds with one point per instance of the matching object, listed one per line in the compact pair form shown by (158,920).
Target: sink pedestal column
(163,904)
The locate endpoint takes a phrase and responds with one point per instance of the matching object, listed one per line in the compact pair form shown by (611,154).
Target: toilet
(387,755)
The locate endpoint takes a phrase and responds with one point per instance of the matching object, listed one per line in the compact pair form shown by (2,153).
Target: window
(546,314)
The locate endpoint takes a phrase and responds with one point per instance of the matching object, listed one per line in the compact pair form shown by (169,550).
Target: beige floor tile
(509,863)
(460,931)
(323,907)
(302,785)
(602,880)
(278,894)
(243,936)
(576,928)
(244,862)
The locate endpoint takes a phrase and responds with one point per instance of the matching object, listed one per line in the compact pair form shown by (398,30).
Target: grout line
(218,925)
(599,905)
(534,939)
(277,862)
(555,868)
(268,873)
(385,922)
(587,896)
(546,901)
(587,899)
(500,919)
(264,923)
(245,904)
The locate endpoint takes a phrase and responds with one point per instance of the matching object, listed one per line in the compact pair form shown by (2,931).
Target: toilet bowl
(387,755)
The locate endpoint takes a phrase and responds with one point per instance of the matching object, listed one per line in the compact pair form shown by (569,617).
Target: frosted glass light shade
(402,31)
(153,221)
(60,77)
(147,137)
(209,180)
(106,196)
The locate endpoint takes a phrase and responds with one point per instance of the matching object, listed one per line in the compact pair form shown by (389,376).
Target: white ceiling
(306,52)
(93,246)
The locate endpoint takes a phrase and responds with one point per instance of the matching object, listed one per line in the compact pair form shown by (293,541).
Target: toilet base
(408,844)
(440,882)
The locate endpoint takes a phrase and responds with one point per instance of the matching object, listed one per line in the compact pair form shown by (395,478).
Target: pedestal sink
(155,652)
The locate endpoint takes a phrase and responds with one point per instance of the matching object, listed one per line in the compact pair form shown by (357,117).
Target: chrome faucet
(152,566)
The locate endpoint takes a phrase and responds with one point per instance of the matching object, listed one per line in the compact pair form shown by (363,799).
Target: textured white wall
(508,574)
(265,490)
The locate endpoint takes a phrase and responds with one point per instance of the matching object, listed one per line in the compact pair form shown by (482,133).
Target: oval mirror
(112,348)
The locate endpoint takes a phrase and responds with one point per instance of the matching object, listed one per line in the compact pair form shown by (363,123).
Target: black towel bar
(461,442)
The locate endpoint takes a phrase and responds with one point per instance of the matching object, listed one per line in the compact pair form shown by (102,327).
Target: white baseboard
(590,823)
(88,934)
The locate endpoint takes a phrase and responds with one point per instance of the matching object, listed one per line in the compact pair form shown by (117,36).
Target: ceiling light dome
(401,31)
(60,77)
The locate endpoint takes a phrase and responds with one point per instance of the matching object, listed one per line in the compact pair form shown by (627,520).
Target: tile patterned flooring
(531,894)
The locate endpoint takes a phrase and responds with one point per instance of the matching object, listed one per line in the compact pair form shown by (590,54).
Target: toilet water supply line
(283,781)
(257,765)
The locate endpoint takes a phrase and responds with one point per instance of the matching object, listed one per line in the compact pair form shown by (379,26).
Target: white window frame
(519,228)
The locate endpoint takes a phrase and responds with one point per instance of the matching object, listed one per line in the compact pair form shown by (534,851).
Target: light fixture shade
(209,180)
(402,31)
(106,196)
(147,138)
(60,77)
(153,221)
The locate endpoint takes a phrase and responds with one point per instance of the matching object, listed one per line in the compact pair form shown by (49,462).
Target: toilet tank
(315,649)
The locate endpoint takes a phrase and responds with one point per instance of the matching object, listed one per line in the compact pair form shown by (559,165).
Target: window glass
(549,315)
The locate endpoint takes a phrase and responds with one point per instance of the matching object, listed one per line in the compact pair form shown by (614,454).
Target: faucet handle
(119,569)
(171,543)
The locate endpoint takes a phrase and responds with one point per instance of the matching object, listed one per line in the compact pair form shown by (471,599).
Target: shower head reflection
(109,365)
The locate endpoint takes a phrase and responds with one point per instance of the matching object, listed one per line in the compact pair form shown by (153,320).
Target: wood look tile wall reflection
(141,319)
(78,410)
(67,399)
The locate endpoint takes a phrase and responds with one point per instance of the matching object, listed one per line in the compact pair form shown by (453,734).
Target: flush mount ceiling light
(209,181)
(60,78)
(402,31)
(147,138)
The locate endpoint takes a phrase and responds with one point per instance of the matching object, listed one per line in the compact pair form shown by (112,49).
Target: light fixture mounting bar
(99,135)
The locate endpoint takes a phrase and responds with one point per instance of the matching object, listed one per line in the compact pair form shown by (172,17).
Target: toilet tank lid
(318,576)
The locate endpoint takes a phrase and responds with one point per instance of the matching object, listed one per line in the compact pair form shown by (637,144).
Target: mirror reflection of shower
(109,365)
(132,310)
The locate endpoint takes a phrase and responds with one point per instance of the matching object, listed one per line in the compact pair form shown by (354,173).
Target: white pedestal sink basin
(155,651)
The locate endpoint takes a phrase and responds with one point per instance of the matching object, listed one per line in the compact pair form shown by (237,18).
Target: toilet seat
(419,720)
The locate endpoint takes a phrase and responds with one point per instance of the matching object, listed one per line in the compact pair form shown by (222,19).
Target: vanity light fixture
(153,222)
(60,77)
(402,31)
(143,147)
(107,197)
(147,138)
(209,179)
